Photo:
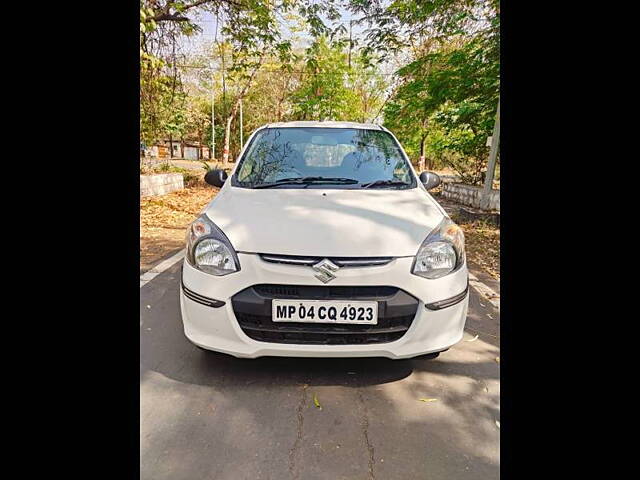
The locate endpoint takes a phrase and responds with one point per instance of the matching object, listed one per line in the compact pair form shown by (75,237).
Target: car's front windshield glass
(331,157)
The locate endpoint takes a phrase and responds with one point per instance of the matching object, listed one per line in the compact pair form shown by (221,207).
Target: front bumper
(218,328)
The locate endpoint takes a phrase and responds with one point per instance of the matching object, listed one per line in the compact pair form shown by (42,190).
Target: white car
(324,242)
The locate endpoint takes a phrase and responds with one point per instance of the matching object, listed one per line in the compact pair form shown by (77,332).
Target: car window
(365,156)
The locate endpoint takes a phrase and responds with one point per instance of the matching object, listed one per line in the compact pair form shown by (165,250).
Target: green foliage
(324,93)
(166,167)
(369,86)
(445,102)
(155,98)
(331,89)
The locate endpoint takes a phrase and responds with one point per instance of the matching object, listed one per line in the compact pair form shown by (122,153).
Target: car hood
(325,222)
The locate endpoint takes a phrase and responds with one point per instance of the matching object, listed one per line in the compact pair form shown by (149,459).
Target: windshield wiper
(307,181)
(383,183)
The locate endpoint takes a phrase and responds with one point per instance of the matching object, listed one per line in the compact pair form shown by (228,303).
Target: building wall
(191,153)
(161,151)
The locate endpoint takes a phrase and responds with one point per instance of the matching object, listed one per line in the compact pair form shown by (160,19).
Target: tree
(177,123)
(160,84)
(324,93)
(369,86)
(447,95)
(444,94)
(250,29)
(198,115)
(248,40)
(155,94)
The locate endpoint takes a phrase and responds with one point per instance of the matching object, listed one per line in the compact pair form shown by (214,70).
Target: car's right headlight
(209,249)
(442,252)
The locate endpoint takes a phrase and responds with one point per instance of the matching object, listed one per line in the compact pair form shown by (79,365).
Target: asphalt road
(205,415)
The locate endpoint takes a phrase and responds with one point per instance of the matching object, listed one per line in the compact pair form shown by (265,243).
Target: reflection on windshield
(280,155)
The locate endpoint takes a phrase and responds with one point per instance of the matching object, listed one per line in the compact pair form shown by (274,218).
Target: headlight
(209,250)
(442,252)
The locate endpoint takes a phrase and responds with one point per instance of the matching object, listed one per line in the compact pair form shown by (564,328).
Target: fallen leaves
(428,400)
(164,220)
(472,339)
(482,244)
(316,402)
(175,209)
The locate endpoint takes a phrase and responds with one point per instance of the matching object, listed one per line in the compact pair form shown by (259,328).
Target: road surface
(210,416)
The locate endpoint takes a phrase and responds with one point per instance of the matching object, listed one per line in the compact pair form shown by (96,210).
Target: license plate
(323,311)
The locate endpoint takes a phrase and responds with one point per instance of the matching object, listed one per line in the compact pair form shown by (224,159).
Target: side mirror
(430,180)
(216,177)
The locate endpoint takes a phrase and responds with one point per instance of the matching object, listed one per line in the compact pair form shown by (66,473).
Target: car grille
(252,308)
(339,261)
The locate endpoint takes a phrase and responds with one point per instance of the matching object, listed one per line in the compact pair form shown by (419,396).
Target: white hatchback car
(324,242)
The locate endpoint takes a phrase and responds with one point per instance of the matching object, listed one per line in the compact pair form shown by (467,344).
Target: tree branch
(165,14)
(169,17)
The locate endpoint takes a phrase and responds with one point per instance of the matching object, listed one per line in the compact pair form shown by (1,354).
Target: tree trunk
(234,111)
(200,151)
(227,136)
(170,146)
(181,147)
(423,164)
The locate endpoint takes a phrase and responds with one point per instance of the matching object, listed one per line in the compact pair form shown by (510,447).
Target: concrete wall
(449,178)
(470,195)
(153,185)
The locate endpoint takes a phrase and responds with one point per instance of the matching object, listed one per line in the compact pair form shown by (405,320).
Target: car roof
(328,124)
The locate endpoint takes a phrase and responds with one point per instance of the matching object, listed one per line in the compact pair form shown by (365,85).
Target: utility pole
(491,167)
(213,120)
(350,43)
(241,138)
(213,98)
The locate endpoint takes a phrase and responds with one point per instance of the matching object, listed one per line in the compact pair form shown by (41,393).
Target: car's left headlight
(209,249)
(442,252)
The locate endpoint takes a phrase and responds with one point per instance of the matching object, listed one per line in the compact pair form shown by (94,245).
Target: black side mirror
(430,180)
(216,177)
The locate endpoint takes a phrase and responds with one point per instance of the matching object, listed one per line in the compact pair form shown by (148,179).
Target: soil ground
(482,239)
(164,219)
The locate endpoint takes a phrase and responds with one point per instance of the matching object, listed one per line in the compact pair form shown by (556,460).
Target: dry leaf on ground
(164,220)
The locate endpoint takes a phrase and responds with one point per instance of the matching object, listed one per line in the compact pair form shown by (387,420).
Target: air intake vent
(339,261)
(252,308)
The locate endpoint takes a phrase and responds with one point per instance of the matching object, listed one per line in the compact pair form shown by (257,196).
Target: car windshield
(332,157)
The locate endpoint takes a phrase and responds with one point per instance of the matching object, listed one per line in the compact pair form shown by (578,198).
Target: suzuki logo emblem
(324,270)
